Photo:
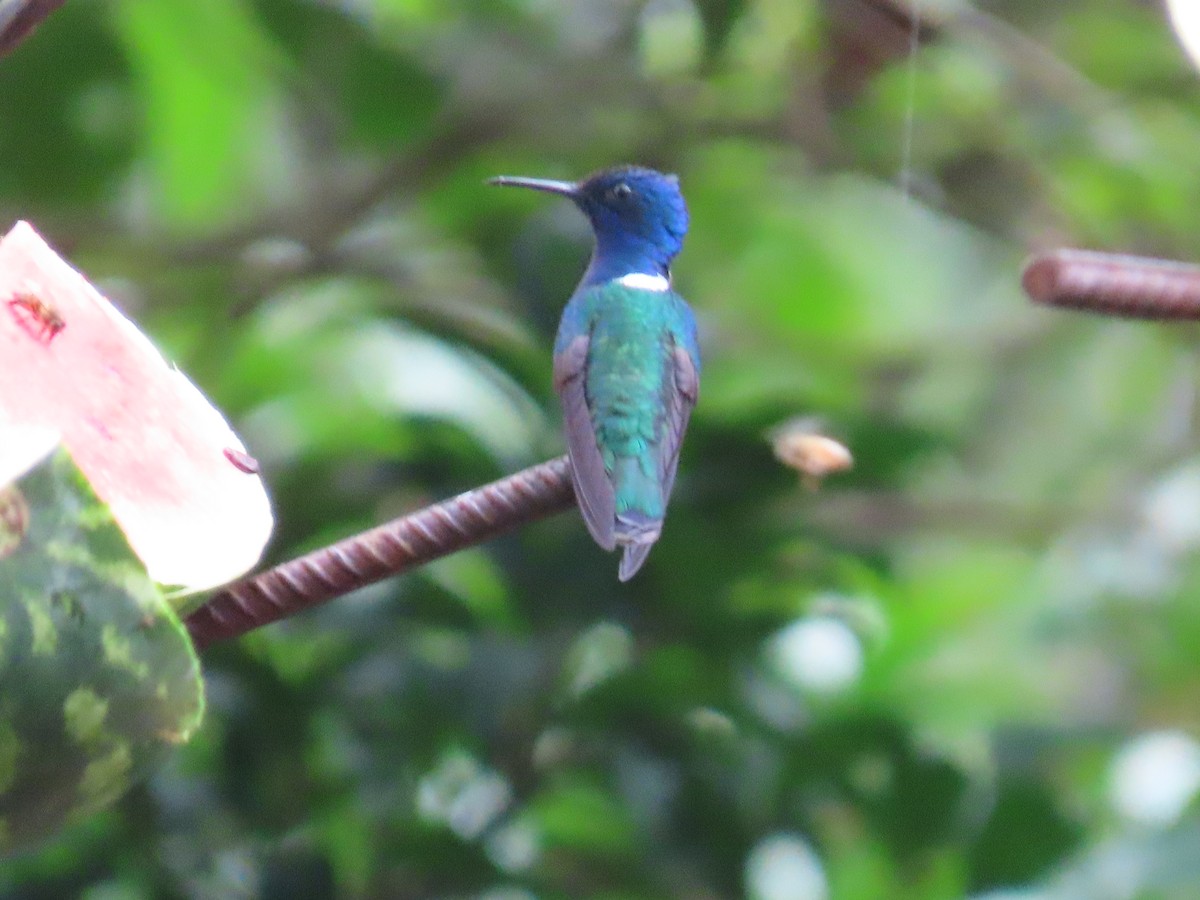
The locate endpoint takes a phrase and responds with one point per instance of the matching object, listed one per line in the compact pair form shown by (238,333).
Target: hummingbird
(626,357)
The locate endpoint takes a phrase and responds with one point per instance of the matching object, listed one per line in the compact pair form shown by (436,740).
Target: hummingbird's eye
(620,191)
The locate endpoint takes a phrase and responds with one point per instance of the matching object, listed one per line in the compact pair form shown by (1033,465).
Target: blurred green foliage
(967,669)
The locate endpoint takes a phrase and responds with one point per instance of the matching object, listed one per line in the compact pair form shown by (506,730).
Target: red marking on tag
(243,462)
(36,316)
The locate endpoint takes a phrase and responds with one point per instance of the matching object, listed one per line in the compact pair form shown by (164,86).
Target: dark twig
(19,17)
(1114,285)
(402,544)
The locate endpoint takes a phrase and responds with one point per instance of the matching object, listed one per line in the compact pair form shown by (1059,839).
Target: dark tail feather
(637,535)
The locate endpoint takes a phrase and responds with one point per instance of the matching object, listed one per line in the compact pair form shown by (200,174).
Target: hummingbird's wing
(681,389)
(593,489)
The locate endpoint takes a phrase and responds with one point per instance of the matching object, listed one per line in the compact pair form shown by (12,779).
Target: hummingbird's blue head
(638,203)
(637,214)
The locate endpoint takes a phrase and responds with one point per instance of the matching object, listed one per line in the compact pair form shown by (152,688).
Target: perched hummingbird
(626,359)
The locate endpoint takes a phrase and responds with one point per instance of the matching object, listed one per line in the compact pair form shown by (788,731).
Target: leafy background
(967,669)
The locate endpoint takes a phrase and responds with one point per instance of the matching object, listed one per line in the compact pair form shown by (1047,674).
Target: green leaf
(100,679)
(203,67)
(580,815)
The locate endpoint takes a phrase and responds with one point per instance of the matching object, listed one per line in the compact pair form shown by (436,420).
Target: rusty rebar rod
(390,549)
(1114,285)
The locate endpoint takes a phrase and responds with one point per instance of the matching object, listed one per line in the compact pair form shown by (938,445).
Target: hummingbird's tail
(639,511)
(636,533)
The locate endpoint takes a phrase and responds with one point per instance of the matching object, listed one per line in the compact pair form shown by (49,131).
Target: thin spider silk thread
(910,101)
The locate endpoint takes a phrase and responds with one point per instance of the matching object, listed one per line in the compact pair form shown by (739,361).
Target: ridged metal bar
(18,18)
(389,549)
(1114,285)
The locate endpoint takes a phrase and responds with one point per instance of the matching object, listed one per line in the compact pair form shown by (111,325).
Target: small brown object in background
(242,461)
(799,444)
(36,316)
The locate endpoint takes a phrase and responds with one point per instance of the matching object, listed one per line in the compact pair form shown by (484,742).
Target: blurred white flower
(1172,507)
(462,794)
(818,654)
(1155,776)
(515,846)
(784,867)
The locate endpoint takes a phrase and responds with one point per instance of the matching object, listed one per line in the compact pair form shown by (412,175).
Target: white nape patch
(645,282)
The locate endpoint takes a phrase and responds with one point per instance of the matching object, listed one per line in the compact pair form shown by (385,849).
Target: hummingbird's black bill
(566,188)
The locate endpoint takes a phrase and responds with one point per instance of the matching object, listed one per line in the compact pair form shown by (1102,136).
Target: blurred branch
(1114,285)
(480,325)
(875,33)
(866,518)
(321,217)
(1033,61)
(18,19)
(867,36)
(391,549)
